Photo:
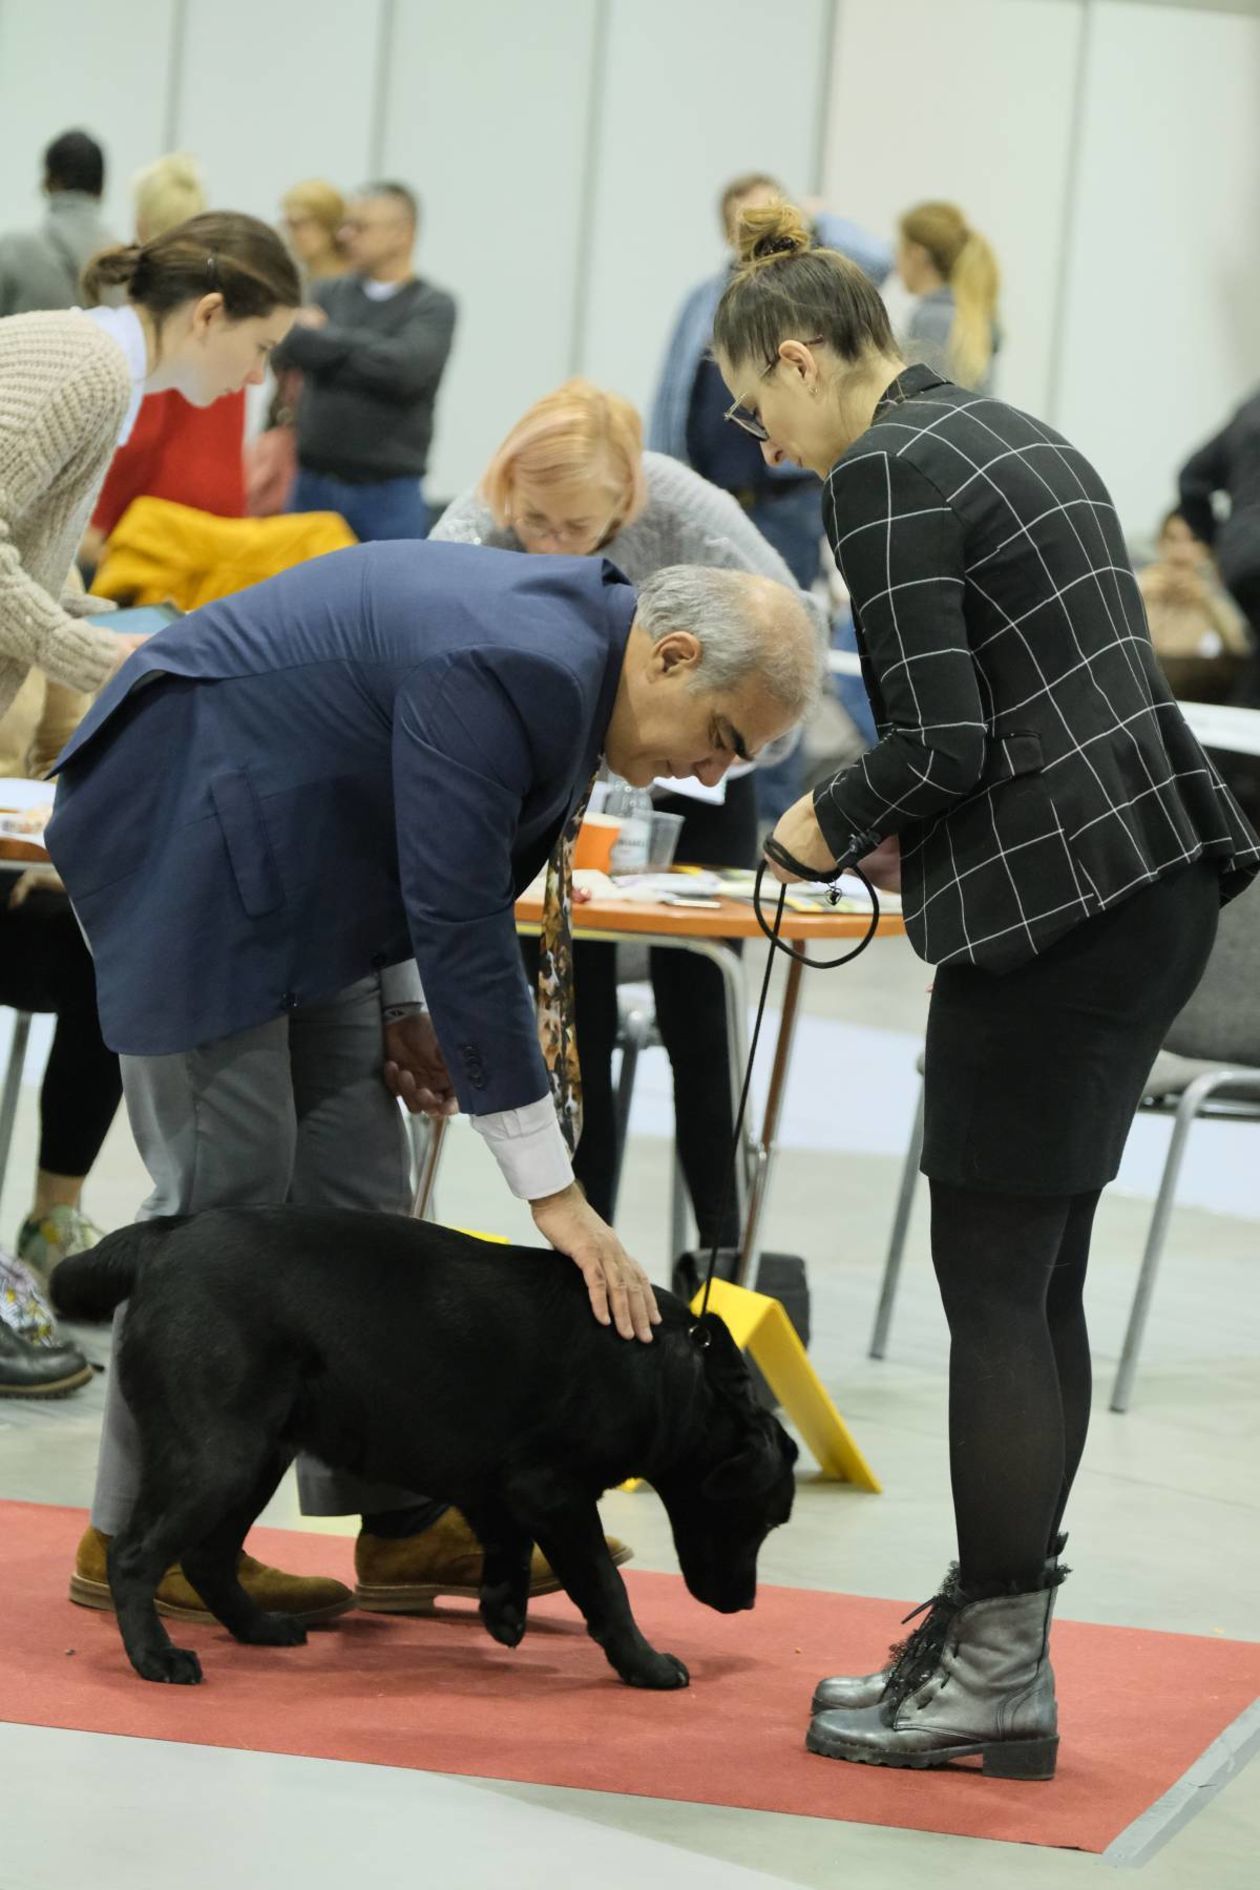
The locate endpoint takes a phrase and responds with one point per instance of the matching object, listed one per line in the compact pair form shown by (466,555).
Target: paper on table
(25,809)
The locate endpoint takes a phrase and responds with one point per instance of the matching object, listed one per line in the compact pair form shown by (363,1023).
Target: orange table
(712,934)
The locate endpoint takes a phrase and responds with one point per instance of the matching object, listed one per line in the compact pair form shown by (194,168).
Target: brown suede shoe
(408,1574)
(308,1598)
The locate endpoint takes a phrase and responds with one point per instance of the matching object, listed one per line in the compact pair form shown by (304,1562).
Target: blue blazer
(367,756)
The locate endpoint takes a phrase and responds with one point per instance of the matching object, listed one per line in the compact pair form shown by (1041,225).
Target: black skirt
(1032,1076)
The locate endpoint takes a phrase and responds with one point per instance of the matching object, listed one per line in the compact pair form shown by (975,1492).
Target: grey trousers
(295,1110)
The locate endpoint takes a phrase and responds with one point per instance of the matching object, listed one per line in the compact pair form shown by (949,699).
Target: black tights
(1011,1269)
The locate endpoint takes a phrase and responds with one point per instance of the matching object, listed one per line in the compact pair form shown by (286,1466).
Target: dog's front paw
(176,1666)
(504,1616)
(274,1630)
(662,1672)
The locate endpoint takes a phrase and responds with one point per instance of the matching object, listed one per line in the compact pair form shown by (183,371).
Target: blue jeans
(792,523)
(385,508)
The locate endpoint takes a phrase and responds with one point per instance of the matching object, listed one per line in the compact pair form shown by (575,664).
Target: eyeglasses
(739,415)
(582,537)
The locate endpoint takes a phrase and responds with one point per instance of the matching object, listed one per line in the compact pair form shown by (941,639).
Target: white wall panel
(271,91)
(1162,330)
(487,116)
(969,100)
(80,65)
(693,93)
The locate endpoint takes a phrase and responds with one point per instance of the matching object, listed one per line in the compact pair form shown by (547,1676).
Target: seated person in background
(193,455)
(1199,633)
(46,967)
(572,476)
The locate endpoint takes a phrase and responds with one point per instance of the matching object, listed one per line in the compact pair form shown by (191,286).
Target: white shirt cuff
(529,1148)
(400,984)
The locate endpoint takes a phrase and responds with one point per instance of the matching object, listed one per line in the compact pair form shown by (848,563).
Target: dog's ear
(725,1366)
(755,1466)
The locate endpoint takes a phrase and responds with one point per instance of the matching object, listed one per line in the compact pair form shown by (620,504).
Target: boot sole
(59,1388)
(422,1597)
(1032,1759)
(89,1594)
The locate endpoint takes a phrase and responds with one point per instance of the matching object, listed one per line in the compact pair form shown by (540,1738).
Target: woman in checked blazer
(1062,847)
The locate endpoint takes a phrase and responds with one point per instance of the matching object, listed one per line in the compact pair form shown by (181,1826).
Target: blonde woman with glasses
(572,478)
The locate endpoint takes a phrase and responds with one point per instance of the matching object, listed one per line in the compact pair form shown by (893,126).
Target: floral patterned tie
(557,1028)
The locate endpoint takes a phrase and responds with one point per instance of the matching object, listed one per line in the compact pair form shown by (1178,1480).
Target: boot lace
(912,1660)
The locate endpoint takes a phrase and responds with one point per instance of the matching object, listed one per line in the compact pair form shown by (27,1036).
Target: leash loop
(779,856)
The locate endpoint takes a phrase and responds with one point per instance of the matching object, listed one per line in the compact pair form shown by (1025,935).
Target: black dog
(417,1356)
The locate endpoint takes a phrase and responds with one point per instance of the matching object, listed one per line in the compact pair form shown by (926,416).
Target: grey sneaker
(44,1241)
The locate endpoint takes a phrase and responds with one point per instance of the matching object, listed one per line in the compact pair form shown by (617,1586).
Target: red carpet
(439,1695)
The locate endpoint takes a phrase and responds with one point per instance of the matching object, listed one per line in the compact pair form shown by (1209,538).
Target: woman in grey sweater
(572,477)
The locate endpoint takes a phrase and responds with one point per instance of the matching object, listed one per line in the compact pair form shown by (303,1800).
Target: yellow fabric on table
(160,552)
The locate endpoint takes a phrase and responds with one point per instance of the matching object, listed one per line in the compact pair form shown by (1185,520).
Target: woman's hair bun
(769,231)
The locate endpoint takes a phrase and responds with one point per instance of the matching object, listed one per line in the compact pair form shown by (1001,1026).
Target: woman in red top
(193,455)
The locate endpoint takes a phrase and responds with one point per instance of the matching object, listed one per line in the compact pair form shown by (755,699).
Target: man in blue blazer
(285,797)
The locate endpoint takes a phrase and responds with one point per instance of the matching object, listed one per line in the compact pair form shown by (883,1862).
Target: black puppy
(413,1355)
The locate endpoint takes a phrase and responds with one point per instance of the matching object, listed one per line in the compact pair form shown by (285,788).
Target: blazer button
(473,1065)
(289,1000)
(378,961)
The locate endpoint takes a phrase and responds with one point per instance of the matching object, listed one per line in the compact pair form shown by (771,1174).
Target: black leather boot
(39,1371)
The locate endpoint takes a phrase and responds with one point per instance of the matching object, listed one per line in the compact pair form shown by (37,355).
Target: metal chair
(1209,1067)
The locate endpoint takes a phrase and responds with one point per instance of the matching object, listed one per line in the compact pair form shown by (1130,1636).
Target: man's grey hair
(747,626)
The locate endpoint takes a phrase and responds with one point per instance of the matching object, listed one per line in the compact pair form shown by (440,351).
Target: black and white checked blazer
(1030,756)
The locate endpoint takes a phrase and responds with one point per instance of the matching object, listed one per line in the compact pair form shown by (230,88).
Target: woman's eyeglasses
(741,416)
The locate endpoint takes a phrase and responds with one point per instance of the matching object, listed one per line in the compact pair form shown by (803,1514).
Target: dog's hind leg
(507,1550)
(211,1566)
(565,1524)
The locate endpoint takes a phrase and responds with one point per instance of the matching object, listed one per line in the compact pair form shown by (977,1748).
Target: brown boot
(308,1598)
(407,1575)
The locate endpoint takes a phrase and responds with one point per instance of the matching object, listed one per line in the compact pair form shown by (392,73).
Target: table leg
(767,1142)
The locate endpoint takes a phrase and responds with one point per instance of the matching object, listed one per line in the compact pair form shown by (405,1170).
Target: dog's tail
(90,1285)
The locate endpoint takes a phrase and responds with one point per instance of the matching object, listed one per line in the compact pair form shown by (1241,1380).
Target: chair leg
(12,1086)
(897,1239)
(679,1210)
(621,1105)
(1187,1109)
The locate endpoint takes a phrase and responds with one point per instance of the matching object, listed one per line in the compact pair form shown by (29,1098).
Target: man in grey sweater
(41,268)
(372,349)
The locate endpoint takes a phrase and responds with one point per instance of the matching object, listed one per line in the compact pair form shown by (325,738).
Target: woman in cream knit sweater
(206,302)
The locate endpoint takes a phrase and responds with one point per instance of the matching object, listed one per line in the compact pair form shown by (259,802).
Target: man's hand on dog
(621,1293)
(415,1069)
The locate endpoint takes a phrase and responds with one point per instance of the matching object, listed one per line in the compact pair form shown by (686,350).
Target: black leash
(779,856)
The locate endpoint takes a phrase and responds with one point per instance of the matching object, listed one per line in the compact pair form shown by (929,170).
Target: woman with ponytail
(191,455)
(205,304)
(1047,813)
(954,274)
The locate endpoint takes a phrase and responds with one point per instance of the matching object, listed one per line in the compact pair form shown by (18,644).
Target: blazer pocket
(249,849)
(1011,756)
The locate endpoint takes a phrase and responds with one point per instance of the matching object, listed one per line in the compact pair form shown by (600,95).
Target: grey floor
(1165,1533)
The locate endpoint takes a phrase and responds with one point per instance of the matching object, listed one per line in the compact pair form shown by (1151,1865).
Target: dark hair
(787,290)
(740,187)
(402,195)
(75,162)
(240,257)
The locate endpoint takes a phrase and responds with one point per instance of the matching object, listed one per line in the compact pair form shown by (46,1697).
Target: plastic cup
(594,845)
(663,841)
